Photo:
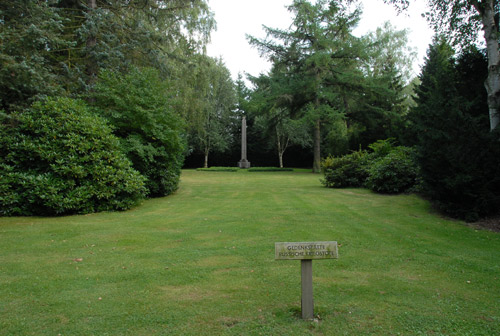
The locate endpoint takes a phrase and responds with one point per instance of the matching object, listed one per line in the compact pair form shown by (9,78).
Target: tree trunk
(492,84)
(317,149)
(205,165)
(91,67)
(280,149)
(317,129)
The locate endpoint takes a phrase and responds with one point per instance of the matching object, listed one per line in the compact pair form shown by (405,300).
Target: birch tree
(210,129)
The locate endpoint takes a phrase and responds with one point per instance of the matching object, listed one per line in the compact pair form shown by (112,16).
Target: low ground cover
(200,262)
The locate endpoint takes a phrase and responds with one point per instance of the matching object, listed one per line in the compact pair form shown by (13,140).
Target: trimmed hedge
(59,158)
(254,169)
(219,169)
(269,169)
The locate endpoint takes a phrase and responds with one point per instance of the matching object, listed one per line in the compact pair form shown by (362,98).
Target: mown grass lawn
(201,262)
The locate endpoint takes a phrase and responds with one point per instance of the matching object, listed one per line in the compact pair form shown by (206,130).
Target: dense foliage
(458,156)
(393,173)
(455,158)
(29,31)
(349,90)
(59,46)
(59,158)
(346,171)
(386,169)
(313,61)
(138,106)
(463,21)
(210,126)
(142,69)
(129,60)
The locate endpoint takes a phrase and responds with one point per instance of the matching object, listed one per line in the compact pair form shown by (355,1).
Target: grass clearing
(200,262)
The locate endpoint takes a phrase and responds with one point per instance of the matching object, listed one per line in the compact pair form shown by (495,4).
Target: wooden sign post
(306,252)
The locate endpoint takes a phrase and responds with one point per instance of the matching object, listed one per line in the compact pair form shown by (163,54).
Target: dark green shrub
(139,107)
(458,155)
(387,169)
(381,148)
(393,173)
(346,171)
(58,158)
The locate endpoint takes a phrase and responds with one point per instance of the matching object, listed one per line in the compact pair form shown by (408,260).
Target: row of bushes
(461,180)
(220,169)
(269,169)
(385,169)
(67,156)
(253,169)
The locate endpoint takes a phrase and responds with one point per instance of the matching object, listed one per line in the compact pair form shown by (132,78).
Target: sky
(236,18)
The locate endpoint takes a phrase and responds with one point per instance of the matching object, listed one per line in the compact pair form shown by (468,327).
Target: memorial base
(244,164)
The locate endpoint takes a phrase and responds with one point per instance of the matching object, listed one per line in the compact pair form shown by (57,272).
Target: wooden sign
(306,250)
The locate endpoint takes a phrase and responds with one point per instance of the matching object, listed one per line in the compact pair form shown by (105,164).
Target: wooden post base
(307,301)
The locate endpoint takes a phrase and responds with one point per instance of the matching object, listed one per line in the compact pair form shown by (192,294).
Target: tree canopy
(340,83)
(458,157)
(59,46)
(462,21)
(315,59)
(130,62)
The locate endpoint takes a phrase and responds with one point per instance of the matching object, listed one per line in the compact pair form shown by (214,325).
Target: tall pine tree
(457,155)
(317,55)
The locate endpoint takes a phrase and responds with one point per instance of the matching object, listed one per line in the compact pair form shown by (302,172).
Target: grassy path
(200,262)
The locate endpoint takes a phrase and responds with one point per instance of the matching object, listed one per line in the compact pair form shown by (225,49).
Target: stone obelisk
(243,163)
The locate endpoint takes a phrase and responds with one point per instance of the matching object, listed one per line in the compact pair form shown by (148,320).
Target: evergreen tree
(30,32)
(316,55)
(458,157)
(59,46)
(380,108)
(462,20)
(273,115)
